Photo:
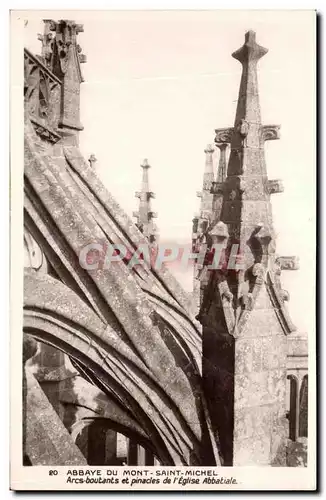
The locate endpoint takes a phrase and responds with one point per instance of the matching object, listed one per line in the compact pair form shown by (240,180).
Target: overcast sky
(156,86)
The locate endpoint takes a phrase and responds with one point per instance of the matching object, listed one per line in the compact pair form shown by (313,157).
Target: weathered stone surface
(252,422)
(223,135)
(297,345)
(83,211)
(268,133)
(209,204)
(261,324)
(257,369)
(273,352)
(47,440)
(252,451)
(297,453)
(251,389)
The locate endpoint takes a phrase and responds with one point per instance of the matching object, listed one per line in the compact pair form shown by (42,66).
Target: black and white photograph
(164,258)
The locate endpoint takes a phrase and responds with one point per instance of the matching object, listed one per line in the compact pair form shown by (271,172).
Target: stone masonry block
(252,451)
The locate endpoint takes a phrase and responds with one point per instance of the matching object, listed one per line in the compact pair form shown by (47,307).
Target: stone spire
(202,221)
(246,208)
(222,141)
(206,203)
(145,215)
(62,56)
(243,314)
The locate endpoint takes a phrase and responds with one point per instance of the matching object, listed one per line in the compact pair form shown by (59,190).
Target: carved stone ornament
(55,47)
(263,235)
(195,224)
(259,271)
(275,186)
(243,127)
(270,132)
(290,263)
(216,188)
(284,295)
(44,132)
(207,185)
(227,303)
(220,229)
(223,135)
(233,195)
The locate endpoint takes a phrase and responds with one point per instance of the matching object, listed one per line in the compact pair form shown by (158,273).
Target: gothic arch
(112,366)
(293,416)
(303,416)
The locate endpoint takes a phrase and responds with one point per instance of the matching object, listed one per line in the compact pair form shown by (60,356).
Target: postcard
(163,250)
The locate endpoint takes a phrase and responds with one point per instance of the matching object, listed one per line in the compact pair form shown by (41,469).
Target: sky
(157,84)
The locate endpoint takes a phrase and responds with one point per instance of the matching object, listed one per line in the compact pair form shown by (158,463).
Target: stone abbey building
(121,367)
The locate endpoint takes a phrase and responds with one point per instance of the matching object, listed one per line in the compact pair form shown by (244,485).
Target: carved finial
(48,40)
(243,208)
(250,51)
(92,160)
(246,208)
(247,125)
(209,149)
(56,45)
(145,164)
(145,183)
(62,56)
